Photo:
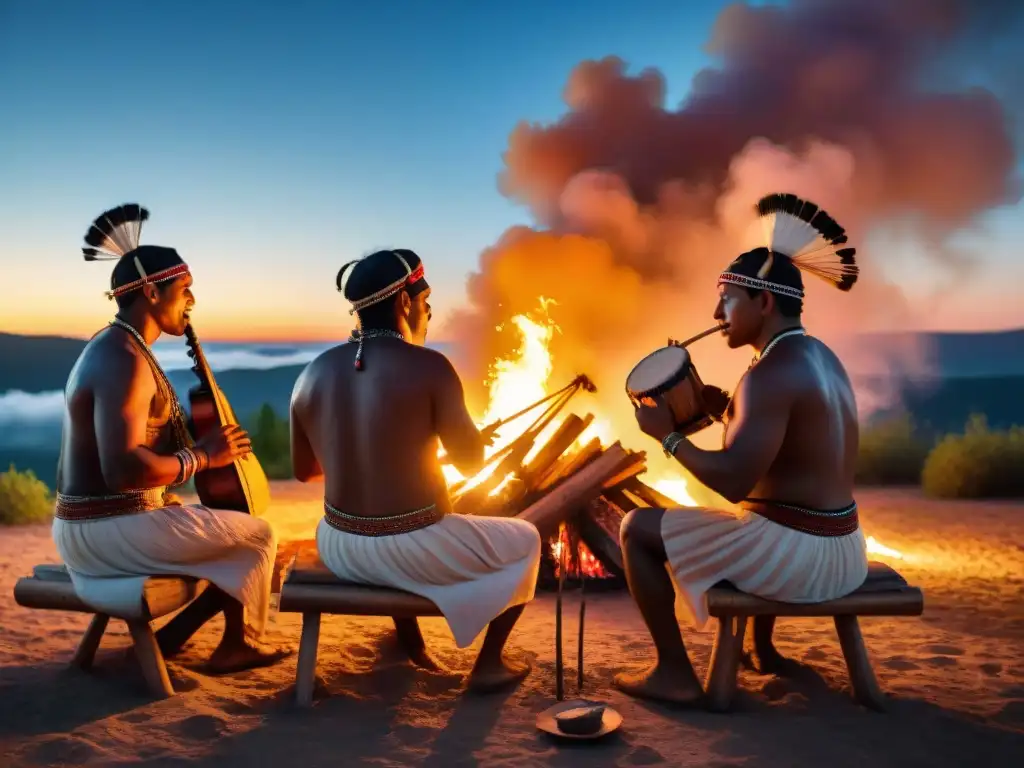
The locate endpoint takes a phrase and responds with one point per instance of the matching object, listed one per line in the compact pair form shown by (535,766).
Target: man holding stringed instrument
(787,459)
(366,418)
(126,441)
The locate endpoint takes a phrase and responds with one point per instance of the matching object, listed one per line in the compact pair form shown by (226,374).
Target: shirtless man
(125,442)
(788,457)
(366,418)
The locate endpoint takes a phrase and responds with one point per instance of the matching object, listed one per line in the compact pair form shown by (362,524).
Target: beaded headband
(411,276)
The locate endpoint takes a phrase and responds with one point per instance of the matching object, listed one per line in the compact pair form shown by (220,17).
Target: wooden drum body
(669,373)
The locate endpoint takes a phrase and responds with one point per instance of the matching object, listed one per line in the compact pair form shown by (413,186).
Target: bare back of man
(369,417)
(369,428)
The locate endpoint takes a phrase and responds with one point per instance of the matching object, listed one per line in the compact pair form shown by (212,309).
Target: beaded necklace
(178,422)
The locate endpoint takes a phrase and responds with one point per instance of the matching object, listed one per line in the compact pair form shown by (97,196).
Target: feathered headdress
(798,237)
(115,234)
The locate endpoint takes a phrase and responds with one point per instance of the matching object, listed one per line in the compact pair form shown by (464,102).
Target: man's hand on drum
(654,418)
(716,400)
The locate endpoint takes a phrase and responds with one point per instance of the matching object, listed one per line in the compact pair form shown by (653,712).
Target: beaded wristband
(671,442)
(189,464)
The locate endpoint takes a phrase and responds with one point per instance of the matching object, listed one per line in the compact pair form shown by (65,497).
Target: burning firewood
(599,527)
(574,492)
(561,441)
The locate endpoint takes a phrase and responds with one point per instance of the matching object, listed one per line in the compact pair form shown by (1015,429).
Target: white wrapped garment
(232,550)
(757,556)
(471,568)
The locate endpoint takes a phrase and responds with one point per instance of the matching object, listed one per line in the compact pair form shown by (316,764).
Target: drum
(669,373)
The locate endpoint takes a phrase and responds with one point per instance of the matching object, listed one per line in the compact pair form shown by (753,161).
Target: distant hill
(971,373)
(42,363)
(955,355)
(36,363)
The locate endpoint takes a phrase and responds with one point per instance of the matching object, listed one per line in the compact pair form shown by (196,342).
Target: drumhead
(659,371)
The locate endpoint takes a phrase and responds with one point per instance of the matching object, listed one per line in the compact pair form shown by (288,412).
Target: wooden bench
(312,590)
(884,593)
(50,588)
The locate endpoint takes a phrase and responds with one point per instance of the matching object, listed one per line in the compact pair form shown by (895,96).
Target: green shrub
(271,442)
(891,453)
(24,498)
(980,463)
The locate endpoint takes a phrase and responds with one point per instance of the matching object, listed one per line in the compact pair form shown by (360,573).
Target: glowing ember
(875,547)
(584,563)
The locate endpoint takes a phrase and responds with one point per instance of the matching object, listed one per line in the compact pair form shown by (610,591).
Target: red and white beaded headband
(157,277)
(411,276)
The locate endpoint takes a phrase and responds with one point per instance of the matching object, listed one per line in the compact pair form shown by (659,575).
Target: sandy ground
(955,677)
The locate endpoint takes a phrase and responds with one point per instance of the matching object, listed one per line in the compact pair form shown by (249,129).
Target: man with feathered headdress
(126,441)
(366,417)
(788,456)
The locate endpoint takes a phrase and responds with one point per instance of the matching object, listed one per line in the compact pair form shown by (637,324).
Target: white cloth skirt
(232,550)
(471,568)
(757,556)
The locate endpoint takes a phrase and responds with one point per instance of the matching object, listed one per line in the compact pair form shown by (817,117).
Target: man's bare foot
(237,657)
(412,644)
(495,675)
(660,683)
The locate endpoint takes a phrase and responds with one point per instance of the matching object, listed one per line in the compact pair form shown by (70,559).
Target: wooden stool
(312,590)
(50,588)
(884,593)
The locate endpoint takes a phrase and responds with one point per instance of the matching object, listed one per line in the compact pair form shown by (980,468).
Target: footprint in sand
(945,650)
(900,664)
(645,756)
(199,727)
(941,661)
(992,670)
(65,750)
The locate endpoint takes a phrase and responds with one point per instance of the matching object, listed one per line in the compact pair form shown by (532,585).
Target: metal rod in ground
(559,681)
(579,647)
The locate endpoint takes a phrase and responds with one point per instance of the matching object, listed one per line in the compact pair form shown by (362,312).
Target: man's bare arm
(459,436)
(756,431)
(122,399)
(305,466)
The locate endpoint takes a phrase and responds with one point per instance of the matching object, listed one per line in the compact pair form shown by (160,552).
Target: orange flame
(520,380)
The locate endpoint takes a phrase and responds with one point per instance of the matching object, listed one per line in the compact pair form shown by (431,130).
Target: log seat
(311,589)
(50,588)
(884,593)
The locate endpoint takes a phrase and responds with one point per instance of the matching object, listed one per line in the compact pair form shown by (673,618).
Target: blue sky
(272,146)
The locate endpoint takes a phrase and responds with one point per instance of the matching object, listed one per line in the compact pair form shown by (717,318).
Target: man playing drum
(787,459)
(366,417)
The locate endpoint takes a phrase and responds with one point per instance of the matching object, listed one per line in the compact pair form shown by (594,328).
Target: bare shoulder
(800,364)
(324,364)
(433,364)
(112,358)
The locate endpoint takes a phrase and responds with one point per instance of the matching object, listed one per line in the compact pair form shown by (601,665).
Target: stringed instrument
(242,485)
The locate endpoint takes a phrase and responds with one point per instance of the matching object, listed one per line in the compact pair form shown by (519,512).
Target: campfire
(567,475)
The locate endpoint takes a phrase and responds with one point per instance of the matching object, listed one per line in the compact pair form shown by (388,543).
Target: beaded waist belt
(82,508)
(835,522)
(392,525)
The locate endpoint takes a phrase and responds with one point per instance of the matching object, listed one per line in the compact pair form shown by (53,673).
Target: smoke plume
(851,103)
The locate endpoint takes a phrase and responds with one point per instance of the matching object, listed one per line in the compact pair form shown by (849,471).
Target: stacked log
(586,486)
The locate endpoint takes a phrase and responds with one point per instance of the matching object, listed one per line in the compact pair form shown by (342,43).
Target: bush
(981,463)
(24,498)
(271,442)
(891,453)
